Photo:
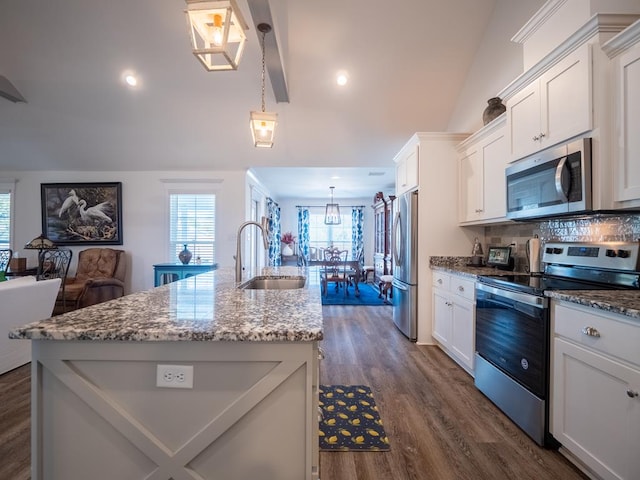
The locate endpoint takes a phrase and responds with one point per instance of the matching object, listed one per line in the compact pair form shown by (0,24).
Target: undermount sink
(274,283)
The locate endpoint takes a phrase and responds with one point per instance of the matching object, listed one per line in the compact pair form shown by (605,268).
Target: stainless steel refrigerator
(405,268)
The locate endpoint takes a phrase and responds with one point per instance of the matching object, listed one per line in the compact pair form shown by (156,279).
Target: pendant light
(332,212)
(263,124)
(217,33)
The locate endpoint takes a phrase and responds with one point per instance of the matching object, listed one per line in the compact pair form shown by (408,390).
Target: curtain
(303,232)
(273,214)
(357,240)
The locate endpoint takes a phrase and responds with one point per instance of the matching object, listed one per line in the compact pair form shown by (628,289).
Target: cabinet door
(523,120)
(407,170)
(595,414)
(441,316)
(463,331)
(565,98)
(553,108)
(627,148)
(495,160)
(470,184)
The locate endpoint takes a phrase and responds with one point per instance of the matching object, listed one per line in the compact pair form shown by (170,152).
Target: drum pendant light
(332,212)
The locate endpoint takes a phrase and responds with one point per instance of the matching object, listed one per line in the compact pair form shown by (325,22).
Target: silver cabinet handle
(460,288)
(320,353)
(535,138)
(632,394)
(590,332)
(439,281)
(542,135)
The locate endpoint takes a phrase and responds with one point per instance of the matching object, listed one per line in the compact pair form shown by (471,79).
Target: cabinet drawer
(617,337)
(463,287)
(441,280)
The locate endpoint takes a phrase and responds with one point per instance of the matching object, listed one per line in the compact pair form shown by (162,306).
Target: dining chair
(5,258)
(335,270)
(55,264)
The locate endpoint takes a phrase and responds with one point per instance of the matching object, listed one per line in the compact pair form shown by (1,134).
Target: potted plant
(288,239)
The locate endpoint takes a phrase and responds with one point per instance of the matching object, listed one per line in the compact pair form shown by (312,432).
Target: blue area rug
(368,296)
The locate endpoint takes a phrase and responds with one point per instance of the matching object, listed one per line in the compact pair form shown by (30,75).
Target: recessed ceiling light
(342,78)
(131,80)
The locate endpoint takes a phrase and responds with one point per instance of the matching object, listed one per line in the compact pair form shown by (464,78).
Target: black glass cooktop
(537,284)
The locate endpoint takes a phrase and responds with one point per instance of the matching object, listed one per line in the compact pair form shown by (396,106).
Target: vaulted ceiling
(406,62)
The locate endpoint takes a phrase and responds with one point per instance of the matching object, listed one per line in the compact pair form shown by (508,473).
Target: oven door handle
(533,300)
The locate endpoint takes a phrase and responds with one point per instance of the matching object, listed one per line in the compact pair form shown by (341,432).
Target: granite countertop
(206,307)
(460,266)
(623,302)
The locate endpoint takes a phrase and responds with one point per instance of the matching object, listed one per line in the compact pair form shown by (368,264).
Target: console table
(170,272)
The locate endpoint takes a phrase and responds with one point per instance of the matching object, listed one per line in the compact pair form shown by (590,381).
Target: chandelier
(332,212)
(217,33)
(262,124)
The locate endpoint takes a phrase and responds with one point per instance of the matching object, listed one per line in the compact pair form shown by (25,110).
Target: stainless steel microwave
(550,183)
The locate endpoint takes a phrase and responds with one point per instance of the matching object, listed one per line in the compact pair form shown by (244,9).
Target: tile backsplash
(591,228)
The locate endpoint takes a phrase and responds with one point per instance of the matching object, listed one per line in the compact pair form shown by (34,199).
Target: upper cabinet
(552,108)
(481,179)
(624,50)
(407,166)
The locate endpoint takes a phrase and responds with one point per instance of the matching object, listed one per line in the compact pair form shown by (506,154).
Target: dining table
(354,265)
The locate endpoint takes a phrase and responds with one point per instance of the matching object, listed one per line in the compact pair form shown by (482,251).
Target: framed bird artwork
(82,213)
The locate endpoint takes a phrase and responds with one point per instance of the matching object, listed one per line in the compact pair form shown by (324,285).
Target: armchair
(99,277)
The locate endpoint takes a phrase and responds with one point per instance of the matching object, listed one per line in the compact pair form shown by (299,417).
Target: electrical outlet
(174,376)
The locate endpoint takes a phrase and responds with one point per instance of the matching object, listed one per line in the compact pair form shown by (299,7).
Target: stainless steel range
(513,331)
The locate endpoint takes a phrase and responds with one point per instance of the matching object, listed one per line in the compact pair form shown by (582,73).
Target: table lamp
(40,243)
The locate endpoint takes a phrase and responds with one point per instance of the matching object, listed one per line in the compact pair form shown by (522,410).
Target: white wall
(144,213)
(497,63)
(289,217)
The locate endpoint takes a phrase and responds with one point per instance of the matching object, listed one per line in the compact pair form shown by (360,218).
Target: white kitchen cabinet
(481,177)
(627,116)
(595,403)
(454,317)
(552,108)
(407,166)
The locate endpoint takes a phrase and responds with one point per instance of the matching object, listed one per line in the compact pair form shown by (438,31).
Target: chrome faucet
(263,226)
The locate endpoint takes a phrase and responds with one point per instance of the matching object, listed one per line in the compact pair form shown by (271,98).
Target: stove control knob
(624,253)
(610,253)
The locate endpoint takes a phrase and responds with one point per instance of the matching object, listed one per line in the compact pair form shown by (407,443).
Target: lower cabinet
(454,317)
(595,403)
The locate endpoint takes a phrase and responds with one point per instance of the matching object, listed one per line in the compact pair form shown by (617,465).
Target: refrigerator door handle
(397,237)
(399,286)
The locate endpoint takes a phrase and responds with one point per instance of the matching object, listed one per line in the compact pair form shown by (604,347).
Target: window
(5,214)
(192,222)
(323,236)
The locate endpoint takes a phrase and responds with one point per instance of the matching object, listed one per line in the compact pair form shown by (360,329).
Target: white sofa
(23,300)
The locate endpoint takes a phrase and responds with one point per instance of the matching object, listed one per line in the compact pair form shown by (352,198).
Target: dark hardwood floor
(439,426)
(15,404)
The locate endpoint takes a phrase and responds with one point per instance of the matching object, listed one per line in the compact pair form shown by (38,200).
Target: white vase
(287,251)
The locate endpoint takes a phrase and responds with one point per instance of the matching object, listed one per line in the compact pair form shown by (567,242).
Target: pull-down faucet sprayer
(263,226)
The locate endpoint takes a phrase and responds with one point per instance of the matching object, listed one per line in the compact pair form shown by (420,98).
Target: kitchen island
(251,412)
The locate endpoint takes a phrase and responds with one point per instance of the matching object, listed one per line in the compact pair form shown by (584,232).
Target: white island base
(251,414)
